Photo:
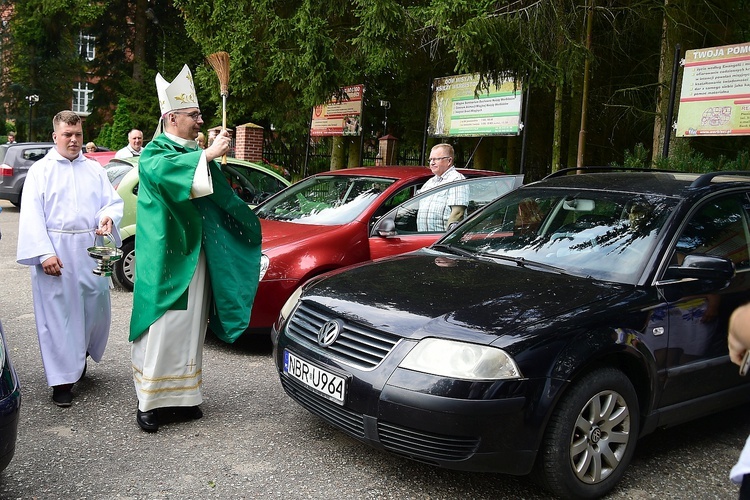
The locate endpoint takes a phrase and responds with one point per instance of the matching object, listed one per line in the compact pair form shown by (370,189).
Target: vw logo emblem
(329,332)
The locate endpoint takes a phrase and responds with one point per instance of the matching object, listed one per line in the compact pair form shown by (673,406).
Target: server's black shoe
(62,395)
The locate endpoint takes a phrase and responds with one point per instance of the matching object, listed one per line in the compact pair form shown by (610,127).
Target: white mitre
(179,94)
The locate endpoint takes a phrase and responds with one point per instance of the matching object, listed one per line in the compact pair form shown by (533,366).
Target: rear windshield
(34,154)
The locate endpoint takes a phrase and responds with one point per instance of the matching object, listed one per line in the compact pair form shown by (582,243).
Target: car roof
(399,172)
(27,144)
(133,160)
(656,182)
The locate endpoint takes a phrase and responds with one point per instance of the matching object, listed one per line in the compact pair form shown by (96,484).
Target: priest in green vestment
(198,248)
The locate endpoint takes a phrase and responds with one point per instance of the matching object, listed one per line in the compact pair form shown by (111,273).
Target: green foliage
(683,158)
(117,54)
(122,124)
(105,136)
(289,55)
(44,60)
(639,158)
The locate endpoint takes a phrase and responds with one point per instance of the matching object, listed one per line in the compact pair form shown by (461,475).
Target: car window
(413,216)
(396,199)
(116,171)
(605,235)
(252,185)
(34,154)
(719,228)
(325,199)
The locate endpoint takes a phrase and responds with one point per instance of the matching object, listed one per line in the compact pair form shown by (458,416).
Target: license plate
(321,381)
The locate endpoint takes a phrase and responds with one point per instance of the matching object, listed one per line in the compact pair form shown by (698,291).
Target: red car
(328,221)
(102,157)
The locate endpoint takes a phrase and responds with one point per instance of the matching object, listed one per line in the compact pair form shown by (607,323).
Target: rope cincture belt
(71,231)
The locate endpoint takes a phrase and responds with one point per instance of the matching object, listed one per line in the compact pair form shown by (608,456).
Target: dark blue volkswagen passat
(10,405)
(544,335)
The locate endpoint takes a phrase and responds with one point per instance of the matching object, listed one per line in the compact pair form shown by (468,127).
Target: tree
(42,41)
(122,124)
(124,68)
(287,56)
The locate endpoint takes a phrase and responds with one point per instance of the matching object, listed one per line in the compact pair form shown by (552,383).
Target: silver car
(15,160)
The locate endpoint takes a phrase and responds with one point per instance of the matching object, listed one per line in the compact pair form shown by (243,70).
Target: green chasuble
(171,231)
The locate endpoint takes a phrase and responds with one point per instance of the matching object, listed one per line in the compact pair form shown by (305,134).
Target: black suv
(544,335)
(15,160)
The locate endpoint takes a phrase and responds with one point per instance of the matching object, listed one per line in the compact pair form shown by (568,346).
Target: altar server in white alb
(67,201)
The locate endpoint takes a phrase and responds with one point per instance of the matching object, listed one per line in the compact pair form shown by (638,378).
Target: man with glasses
(201,256)
(437,213)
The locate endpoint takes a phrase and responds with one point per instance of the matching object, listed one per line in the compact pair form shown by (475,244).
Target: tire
(591,436)
(124,269)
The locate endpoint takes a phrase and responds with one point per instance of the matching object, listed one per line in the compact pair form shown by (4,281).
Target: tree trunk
(338,153)
(585,92)
(557,128)
(354,149)
(662,95)
(139,42)
(574,126)
(511,154)
(483,155)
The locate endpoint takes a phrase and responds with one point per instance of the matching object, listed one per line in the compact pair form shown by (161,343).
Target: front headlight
(460,360)
(264,262)
(289,305)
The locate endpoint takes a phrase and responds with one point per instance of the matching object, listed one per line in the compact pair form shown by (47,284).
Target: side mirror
(385,227)
(702,267)
(698,274)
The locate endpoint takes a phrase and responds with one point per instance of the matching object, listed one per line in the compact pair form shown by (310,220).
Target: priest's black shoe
(147,420)
(193,412)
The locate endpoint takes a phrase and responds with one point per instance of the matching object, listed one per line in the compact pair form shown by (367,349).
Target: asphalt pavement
(255,442)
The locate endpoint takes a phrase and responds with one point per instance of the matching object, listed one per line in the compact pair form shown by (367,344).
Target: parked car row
(331,220)
(252,182)
(544,335)
(324,222)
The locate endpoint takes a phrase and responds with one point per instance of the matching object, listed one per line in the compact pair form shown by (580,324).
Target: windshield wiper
(524,262)
(452,249)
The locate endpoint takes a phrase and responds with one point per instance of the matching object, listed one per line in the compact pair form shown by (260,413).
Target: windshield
(605,235)
(116,171)
(324,199)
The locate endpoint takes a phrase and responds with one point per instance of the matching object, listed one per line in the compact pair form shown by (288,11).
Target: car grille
(357,345)
(336,415)
(419,445)
(425,446)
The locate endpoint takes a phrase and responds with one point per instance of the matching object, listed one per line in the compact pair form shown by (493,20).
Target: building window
(82,94)
(86,46)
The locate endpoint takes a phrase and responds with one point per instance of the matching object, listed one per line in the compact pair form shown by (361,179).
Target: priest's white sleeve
(202,183)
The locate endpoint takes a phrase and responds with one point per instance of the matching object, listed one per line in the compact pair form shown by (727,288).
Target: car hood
(427,293)
(278,233)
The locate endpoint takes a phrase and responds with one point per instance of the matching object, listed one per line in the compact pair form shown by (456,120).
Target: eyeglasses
(438,159)
(194,115)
